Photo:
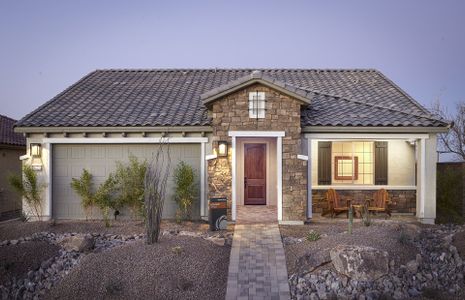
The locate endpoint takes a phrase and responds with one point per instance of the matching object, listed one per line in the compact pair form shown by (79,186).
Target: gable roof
(7,136)
(173,97)
(256,77)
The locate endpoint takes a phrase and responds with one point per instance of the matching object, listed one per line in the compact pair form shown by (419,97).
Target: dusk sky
(46,46)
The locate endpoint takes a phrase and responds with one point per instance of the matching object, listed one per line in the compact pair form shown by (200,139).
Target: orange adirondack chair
(380,202)
(335,204)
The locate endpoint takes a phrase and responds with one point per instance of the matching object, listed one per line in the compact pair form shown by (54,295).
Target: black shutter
(324,163)
(381,163)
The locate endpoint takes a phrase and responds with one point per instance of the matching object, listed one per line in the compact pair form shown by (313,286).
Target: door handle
(245,181)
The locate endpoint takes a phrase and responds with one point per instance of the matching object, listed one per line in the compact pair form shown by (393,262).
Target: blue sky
(46,46)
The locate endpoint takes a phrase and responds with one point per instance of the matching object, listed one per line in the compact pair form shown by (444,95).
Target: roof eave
(375,129)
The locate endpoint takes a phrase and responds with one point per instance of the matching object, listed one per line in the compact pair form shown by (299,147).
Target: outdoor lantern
(35,150)
(222,148)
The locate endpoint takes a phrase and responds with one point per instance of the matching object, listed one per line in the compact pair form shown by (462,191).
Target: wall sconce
(222,148)
(36,150)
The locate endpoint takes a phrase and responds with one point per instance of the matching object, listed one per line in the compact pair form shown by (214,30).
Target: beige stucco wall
(271,177)
(401,163)
(9,164)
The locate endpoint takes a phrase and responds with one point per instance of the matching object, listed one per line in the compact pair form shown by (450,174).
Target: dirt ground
(17,260)
(383,235)
(459,242)
(140,271)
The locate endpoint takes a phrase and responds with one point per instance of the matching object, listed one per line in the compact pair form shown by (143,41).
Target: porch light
(36,150)
(222,148)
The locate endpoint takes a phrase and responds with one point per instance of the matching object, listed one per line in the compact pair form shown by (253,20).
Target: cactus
(351,218)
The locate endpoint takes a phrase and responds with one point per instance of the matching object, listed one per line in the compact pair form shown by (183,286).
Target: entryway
(255,174)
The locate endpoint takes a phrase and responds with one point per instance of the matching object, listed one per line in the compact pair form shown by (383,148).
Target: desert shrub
(366,218)
(449,197)
(104,199)
(28,186)
(313,236)
(129,185)
(84,188)
(185,190)
(177,250)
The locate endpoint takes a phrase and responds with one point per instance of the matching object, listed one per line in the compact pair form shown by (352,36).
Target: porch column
(309,179)
(233,181)
(426,179)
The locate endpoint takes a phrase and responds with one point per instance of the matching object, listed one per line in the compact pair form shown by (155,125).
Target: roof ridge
(415,102)
(430,116)
(236,69)
(55,98)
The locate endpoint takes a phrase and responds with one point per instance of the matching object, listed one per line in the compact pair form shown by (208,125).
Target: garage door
(100,159)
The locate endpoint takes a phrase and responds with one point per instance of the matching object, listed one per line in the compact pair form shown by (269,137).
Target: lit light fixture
(36,150)
(223,148)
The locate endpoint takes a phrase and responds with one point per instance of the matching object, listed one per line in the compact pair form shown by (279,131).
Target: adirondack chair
(335,204)
(380,203)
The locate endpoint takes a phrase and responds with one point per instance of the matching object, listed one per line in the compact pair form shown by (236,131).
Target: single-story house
(12,145)
(276,137)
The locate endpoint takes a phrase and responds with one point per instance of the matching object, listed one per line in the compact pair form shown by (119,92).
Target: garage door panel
(100,160)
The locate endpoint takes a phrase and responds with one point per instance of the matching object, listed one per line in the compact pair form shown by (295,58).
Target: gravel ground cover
(178,267)
(39,256)
(16,229)
(17,260)
(380,234)
(425,262)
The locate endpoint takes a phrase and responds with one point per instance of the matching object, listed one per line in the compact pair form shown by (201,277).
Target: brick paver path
(257,266)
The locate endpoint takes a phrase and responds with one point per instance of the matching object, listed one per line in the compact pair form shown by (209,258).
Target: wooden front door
(255,174)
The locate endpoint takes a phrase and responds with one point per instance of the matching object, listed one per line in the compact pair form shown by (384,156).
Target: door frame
(279,161)
(267,168)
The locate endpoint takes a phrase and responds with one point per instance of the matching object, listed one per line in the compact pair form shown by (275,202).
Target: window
(353,162)
(257,105)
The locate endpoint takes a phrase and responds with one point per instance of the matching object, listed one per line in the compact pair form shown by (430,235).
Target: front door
(255,174)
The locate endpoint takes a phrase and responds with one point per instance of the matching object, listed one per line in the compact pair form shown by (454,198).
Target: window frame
(258,112)
(354,160)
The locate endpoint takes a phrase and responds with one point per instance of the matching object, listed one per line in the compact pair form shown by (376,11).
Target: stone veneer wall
(231,113)
(404,201)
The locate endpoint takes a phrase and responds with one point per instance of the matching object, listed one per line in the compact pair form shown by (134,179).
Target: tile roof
(172,97)
(7,136)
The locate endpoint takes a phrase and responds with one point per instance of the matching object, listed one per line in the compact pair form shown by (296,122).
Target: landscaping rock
(311,261)
(360,263)
(79,243)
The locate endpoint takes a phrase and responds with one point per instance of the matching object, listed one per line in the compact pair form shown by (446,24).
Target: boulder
(312,260)
(359,262)
(79,243)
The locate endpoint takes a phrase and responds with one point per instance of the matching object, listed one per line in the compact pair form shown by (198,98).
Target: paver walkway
(257,266)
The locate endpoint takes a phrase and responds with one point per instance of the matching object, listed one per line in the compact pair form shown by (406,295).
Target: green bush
(84,188)
(104,199)
(28,186)
(185,188)
(313,236)
(449,197)
(129,185)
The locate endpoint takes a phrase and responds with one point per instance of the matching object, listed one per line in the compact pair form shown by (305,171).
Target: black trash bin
(218,214)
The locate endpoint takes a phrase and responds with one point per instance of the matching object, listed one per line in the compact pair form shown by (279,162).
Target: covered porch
(356,165)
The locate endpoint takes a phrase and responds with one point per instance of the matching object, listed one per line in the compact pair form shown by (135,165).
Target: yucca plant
(28,186)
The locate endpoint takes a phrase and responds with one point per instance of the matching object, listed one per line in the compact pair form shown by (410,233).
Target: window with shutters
(352,162)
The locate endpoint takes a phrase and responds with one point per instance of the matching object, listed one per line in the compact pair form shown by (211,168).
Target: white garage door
(100,160)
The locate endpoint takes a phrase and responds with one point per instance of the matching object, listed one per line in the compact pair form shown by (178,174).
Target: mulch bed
(17,260)
(381,235)
(140,271)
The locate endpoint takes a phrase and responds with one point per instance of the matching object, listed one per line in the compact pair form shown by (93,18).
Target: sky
(45,46)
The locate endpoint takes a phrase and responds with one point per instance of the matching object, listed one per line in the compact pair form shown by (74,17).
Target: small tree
(29,188)
(129,185)
(156,178)
(84,188)
(452,141)
(185,188)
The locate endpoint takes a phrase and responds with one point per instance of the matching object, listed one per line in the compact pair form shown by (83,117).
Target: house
(12,145)
(276,137)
